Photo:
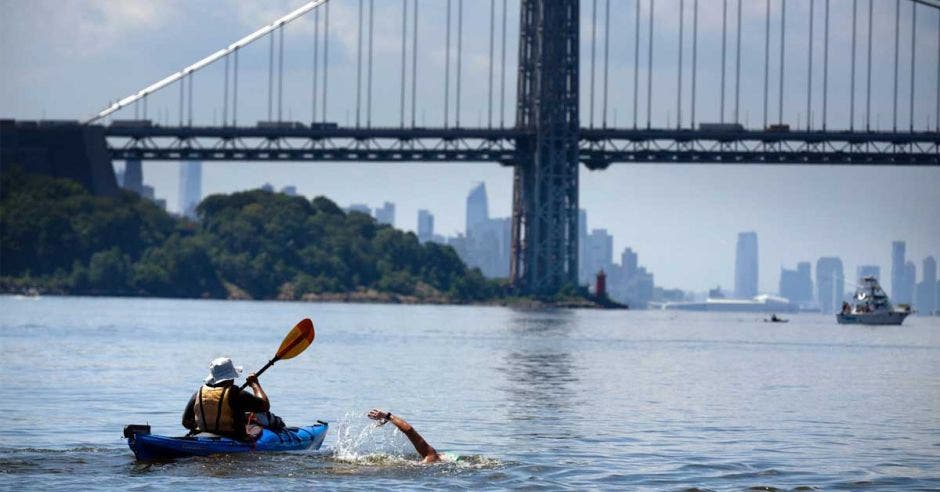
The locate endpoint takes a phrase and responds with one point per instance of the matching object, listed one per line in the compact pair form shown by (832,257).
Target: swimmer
(427,452)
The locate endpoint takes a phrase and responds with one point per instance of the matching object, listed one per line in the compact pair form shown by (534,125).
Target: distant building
(359,207)
(830,288)
(477,208)
(425,225)
(134,176)
(868,271)
(386,214)
(267,187)
(487,242)
(903,275)
(797,285)
(190,187)
(598,252)
(745,266)
(289,190)
(926,302)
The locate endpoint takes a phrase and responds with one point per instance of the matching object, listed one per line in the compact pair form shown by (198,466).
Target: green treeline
(56,237)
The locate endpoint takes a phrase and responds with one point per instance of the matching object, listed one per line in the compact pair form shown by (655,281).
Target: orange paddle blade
(299,338)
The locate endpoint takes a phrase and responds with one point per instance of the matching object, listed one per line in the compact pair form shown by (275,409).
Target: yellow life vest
(214,411)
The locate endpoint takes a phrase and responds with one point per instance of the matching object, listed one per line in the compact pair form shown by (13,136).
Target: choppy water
(533,399)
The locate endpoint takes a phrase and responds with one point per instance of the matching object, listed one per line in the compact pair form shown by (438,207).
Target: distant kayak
(150,447)
(776,320)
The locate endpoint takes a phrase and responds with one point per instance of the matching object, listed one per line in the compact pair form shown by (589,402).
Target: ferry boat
(872,307)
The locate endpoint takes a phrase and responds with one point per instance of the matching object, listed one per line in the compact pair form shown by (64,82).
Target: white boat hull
(884,318)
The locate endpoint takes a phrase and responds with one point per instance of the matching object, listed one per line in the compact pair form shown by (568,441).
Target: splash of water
(359,440)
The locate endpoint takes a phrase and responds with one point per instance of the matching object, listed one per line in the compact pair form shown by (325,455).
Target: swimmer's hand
(380,415)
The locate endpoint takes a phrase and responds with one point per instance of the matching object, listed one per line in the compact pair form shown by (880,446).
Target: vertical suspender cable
(606,57)
(225,96)
(737,68)
(316,63)
(182,93)
(649,74)
(459,58)
(326,56)
(679,82)
(191,74)
(359,67)
(897,36)
(783,23)
(145,107)
(913,58)
(414,65)
(694,57)
(825,108)
(280,73)
(868,69)
(489,78)
(235,91)
(447,69)
(766,58)
(852,83)
(593,50)
(636,64)
(137,108)
(271,76)
(809,69)
(502,73)
(369,78)
(404,60)
(724,31)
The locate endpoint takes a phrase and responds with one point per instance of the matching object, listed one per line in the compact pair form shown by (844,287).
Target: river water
(546,399)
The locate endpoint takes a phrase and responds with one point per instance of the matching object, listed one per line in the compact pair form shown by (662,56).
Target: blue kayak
(149,447)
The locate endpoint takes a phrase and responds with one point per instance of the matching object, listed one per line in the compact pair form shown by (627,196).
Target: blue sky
(69,59)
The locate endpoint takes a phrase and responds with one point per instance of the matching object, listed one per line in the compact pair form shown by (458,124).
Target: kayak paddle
(299,338)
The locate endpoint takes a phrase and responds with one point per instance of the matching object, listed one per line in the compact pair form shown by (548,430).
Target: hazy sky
(69,59)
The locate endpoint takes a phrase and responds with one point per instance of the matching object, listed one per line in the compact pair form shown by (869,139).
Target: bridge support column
(545,184)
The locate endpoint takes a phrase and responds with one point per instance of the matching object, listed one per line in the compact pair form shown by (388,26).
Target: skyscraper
(898,291)
(477,208)
(386,214)
(190,187)
(289,190)
(868,271)
(598,252)
(425,226)
(797,285)
(134,176)
(830,288)
(926,301)
(745,266)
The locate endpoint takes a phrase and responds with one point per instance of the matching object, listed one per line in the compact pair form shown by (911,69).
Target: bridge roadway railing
(600,147)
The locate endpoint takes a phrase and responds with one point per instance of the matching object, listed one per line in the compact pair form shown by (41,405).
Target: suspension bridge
(557,81)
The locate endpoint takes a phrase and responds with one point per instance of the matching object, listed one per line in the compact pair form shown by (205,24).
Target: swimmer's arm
(427,452)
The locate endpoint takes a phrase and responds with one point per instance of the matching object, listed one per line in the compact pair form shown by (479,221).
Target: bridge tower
(545,180)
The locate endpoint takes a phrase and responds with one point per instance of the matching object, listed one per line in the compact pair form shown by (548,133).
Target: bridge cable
(489,79)
(852,82)
(359,68)
(316,66)
(459,58)
(502,73)
(369,83)
(737,68)
(783,30)
(694,59)
(636,63)
(235,91)
(897,34)
(724,31)
(326,58)
(190,109)
(271,76)
(593,50)
(606,57)
(447,69)
(679,84)
(825,108)
(404,60)
(414,66)
(145,106)
(913,59)
(649,75)
(225,96)
(868,69)
(280,74)
(766,58)
(182,93)
(809,68)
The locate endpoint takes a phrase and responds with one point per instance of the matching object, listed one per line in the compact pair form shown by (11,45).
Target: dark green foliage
(266,245)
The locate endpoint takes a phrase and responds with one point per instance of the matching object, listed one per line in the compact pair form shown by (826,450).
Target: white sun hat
(222,369)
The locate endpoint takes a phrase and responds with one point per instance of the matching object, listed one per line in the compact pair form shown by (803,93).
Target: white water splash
(359,440)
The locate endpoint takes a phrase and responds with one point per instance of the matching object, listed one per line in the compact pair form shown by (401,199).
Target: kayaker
(427,452)
(219,407)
